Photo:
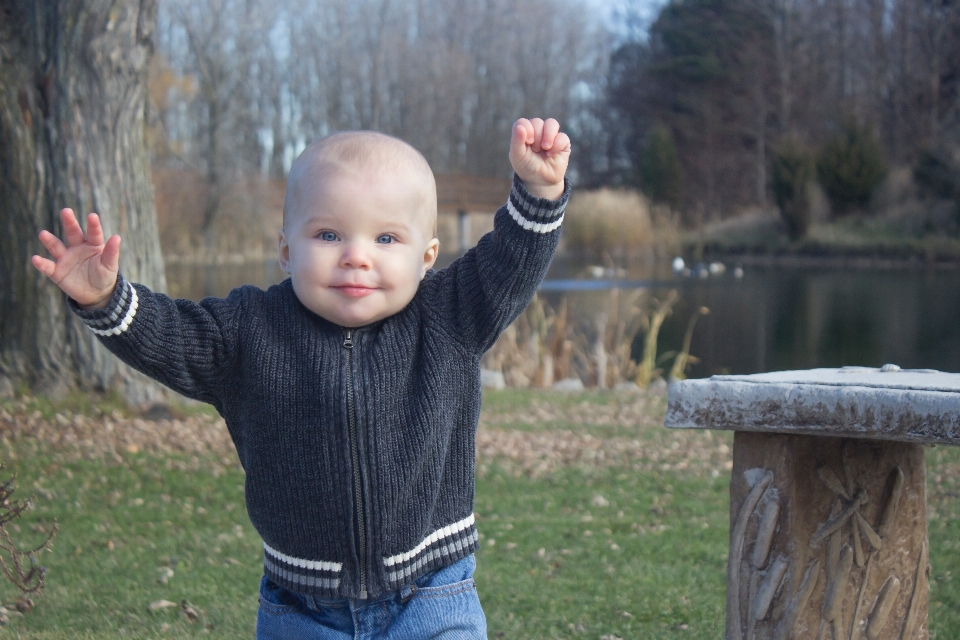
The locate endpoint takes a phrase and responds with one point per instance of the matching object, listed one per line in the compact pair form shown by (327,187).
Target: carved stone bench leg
(828,539)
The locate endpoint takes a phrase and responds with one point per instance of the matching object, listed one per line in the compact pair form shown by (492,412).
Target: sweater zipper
(355,453)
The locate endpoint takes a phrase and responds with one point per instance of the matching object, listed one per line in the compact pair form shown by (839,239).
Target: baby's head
(359,220)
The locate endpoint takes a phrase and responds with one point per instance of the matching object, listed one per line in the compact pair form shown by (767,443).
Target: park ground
(596,522)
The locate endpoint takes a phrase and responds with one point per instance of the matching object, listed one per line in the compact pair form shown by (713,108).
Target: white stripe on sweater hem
(538,227)
(315,565)
(292,576)
(454,546)
(127,318)
(439,534)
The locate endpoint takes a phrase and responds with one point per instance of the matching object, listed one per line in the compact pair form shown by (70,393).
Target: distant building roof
(460,192)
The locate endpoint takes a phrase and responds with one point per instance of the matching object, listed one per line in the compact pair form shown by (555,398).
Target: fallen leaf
(192,614)
(157,605)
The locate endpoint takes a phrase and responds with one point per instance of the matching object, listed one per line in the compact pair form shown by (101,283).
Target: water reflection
(771,319)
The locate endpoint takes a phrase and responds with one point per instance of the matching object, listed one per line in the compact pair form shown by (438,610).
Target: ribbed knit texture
(277,374)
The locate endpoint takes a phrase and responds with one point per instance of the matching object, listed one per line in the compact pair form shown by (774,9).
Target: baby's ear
(430,256)
(284,257)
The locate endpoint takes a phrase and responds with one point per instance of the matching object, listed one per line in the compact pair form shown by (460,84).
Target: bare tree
(450,76)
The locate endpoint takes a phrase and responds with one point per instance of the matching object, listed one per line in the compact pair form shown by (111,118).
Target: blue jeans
(442,604)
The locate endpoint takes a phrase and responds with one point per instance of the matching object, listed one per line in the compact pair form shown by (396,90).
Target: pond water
(773,318)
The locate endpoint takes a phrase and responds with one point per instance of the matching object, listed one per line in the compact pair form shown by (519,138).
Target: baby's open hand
(87,269)
(539,153)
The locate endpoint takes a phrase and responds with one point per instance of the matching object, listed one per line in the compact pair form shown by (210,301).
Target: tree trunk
(73,100)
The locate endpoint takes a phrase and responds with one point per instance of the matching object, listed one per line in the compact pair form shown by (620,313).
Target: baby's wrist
(546,191)
(99,303)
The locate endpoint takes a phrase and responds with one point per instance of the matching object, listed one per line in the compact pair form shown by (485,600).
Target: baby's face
(357,245)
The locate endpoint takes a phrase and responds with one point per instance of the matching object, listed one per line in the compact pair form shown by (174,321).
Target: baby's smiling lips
(354,290)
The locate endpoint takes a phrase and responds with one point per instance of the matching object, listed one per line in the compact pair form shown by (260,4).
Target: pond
(772,318)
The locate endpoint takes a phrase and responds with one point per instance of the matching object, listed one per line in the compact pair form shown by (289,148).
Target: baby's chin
(355,318)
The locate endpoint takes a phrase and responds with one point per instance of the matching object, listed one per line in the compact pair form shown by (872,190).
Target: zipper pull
(348,340)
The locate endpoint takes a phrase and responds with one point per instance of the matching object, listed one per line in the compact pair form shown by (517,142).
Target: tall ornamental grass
(619,223)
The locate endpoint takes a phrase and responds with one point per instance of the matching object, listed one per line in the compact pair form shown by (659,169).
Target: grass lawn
(595,522)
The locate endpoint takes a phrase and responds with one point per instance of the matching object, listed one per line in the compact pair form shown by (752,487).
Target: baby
(352,389)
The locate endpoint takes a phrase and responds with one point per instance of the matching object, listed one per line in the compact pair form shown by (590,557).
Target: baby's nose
(355,256)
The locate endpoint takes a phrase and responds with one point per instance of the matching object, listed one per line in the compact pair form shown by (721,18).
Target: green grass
(649,564)
(576,553)
(121,525)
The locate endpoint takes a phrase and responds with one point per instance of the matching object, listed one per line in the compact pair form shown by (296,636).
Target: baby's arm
(481,293)
(179,343)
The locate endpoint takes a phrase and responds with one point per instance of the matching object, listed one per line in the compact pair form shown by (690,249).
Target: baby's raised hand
(539,153)
(87,269)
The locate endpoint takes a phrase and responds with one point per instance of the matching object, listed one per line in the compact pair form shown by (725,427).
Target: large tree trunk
(73,100)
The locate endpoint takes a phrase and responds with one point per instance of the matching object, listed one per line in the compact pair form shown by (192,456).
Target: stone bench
(828,528)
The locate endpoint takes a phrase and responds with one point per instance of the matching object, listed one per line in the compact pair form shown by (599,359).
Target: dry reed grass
(244,223)
(546,345)
(620,223)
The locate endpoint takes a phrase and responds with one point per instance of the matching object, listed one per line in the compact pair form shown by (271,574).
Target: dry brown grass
(620,223)
(622,430)
(545,345)
(244,225)
(538,434)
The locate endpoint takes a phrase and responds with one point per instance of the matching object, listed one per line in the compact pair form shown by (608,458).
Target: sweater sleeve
(185,345)
(483,291)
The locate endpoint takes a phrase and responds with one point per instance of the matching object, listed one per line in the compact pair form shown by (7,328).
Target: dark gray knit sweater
(358,445)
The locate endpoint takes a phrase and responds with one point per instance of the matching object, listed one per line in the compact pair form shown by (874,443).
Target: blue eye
(386,238)
(328,236)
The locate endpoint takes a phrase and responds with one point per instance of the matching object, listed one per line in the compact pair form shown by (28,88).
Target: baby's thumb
(110,258)
(44,266)
(522,131)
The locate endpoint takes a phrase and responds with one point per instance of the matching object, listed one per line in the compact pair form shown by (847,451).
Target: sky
(611,10)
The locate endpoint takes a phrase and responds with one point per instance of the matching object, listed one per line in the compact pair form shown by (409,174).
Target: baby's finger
(537,134)
(519,139)
(52,244)
(560,144)
(71,228)
(94,230)
(110,258)
(44,266)
(524,127)
(550,130)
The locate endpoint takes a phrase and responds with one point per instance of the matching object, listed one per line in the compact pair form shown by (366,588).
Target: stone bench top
(908,405)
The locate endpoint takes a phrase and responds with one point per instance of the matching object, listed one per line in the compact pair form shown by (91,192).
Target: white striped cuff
(116,318)
(535,214)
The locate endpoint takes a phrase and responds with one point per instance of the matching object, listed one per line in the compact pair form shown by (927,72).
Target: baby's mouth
(355,290)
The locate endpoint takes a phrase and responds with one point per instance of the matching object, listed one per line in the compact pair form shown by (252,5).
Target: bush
(608,220)
(850,168)
(937,173)
(792,174)
(661,176)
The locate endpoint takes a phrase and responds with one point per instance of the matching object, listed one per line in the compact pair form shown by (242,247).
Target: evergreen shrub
(850,167)
(793,171)
(661,175)
(937,173)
